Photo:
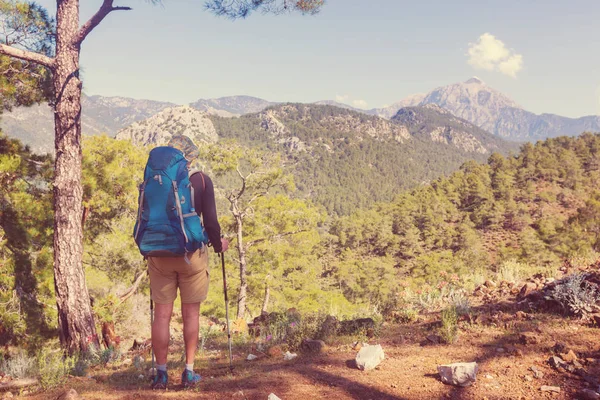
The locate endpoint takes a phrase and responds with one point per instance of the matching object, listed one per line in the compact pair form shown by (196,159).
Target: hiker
(189,273)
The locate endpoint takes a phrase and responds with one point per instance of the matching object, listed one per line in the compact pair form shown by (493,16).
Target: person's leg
(163,286)
(193,285)
(190,313)
(160,331)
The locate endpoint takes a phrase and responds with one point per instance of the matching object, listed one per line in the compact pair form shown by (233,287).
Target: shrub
(53,368)
(18,366)
(575,295)
(449,329)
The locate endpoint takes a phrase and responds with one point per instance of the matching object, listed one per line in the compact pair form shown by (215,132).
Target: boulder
(70,394)
(313,346)
(369,357)
(330,327)
(458,374)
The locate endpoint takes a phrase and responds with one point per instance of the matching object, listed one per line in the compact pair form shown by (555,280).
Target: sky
(544,54)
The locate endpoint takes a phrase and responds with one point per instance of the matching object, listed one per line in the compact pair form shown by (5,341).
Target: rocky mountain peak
(475,80)
(158,129)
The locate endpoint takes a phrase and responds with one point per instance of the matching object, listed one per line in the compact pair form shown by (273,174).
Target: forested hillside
(521,214)
(345,160)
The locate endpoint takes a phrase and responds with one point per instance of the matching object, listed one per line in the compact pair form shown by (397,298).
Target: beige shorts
(169,273)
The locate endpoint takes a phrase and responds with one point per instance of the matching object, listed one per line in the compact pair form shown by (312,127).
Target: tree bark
(76,321)
(266,299)
(241,302)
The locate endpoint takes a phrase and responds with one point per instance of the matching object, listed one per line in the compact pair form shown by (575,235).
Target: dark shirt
(204,201)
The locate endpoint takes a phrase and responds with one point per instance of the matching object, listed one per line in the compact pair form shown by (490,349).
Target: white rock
(251,357)
(289,356)
(369,357)
(273,396)
(458,374)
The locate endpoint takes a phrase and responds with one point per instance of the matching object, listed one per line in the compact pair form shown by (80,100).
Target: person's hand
(224,245)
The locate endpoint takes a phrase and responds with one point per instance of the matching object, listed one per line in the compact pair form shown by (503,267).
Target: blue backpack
(167,224)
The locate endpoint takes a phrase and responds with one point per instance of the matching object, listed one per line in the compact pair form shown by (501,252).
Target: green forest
(512,215)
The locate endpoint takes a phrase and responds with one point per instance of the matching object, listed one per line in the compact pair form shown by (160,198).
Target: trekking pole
(227,311)
(151,323)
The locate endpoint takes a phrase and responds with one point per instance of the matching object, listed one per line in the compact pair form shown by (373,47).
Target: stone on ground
(555,389)
(313,346)
(458,374)
(273,396)
(588,394)
(369,357)
(70,394)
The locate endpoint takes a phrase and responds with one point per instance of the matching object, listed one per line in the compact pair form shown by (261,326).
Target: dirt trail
(408,372)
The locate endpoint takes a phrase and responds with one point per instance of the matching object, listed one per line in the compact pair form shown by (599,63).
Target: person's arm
(204,199)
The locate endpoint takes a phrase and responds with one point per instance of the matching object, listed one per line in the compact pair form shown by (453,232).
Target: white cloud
(341,98)
(359,103)
(491,54)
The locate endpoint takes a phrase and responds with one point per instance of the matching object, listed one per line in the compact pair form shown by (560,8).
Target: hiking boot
(189,378)
(161,379)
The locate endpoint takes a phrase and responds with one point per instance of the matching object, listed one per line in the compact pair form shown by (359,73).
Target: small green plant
(53,367)
(406,315)
(18,366)
(449,329)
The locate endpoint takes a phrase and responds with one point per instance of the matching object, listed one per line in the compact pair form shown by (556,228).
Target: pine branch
(105,9)
(27,55)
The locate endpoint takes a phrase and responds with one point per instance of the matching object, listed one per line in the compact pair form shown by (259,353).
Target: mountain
(158,129)
(494,112)
(346,160)
(389,111)
(34,125)
(434,123)
(232,105)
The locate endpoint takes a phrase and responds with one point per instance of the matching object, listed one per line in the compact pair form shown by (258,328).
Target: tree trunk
(76,321)
(266,299)
(241,302)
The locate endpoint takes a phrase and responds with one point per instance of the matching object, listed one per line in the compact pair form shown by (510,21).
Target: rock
(313,346)
(500,350)
(435,339)
(7,395)
(556,362)
(458,374)
(587,394)
(138,362)
(369,357)
(357,346)
(537,374)
(577,364)
(289,356)
(555,389)
(490,284)
(70,394)
(528,378)
(251,357)
(559,348)
(273,396)
(569,357)
(526,290)
(529,338)
(330,327)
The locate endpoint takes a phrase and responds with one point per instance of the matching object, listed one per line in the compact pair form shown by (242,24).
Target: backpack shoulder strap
(202,176)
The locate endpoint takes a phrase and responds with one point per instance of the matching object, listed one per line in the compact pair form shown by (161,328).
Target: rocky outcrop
(158,129)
